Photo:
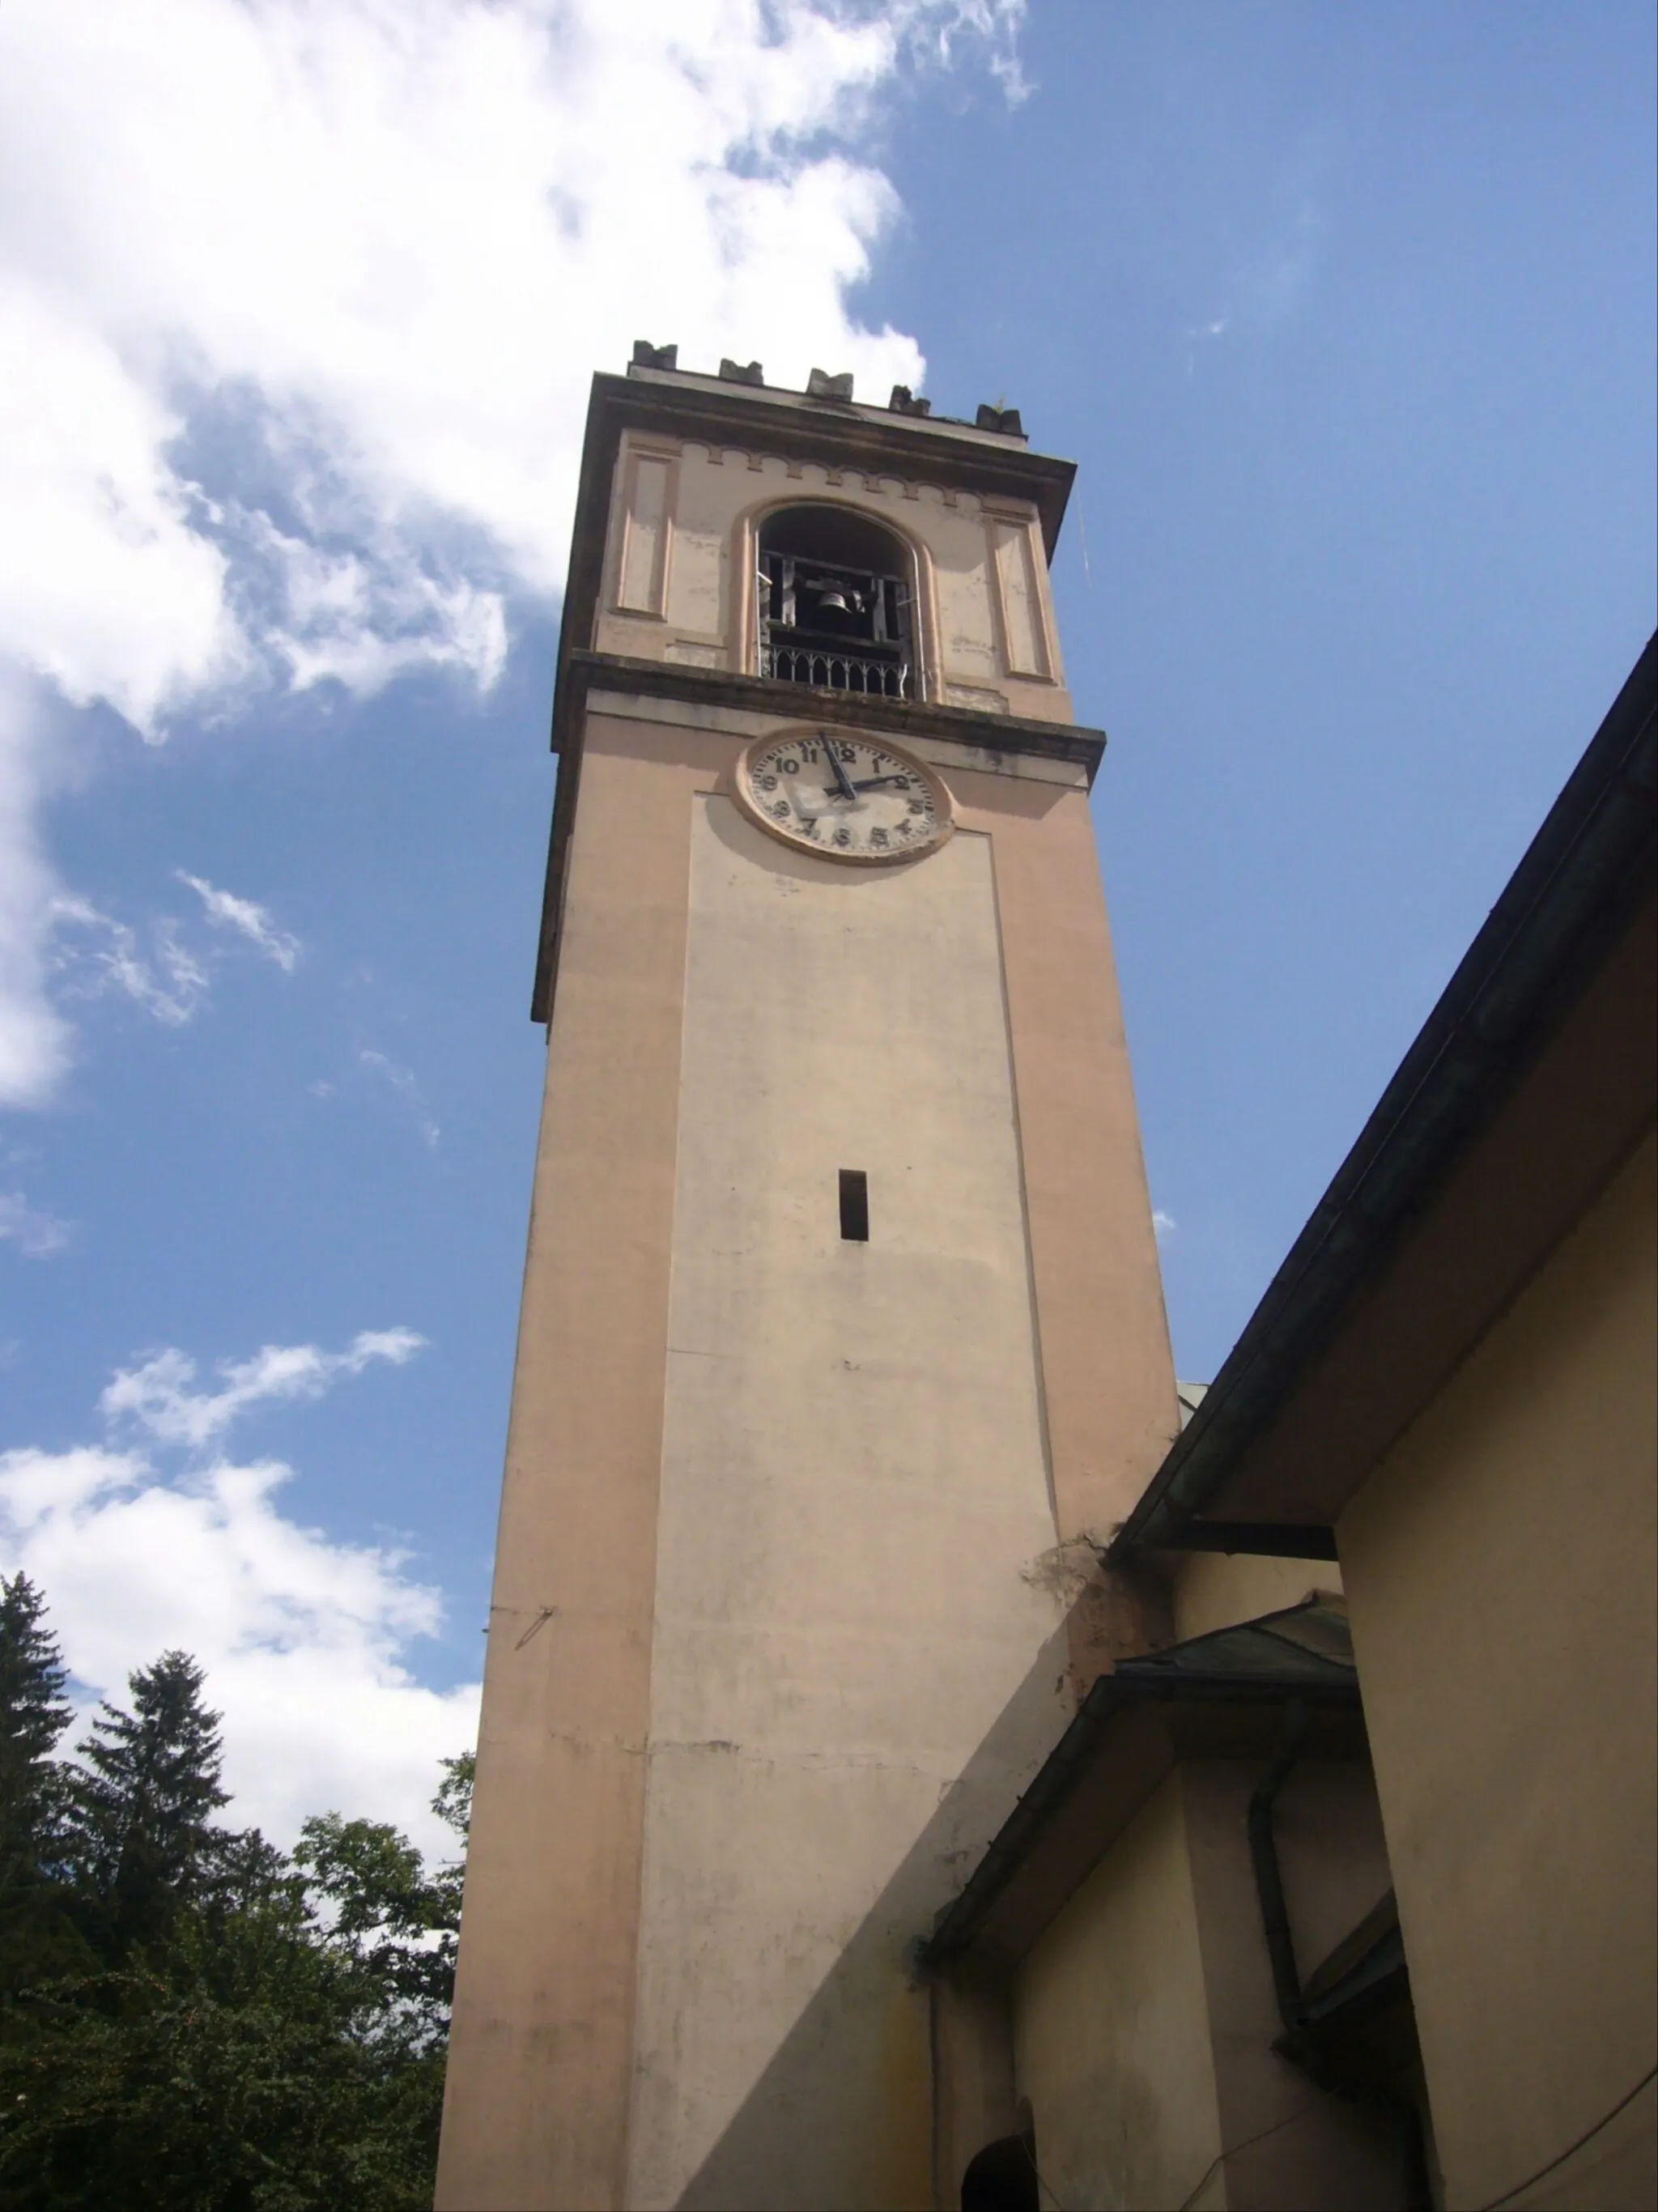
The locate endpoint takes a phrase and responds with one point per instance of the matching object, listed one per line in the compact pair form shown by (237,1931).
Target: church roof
(1216,1696)
(1529,1081)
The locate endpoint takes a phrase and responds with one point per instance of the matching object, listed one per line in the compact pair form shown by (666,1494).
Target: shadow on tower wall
(841,2115)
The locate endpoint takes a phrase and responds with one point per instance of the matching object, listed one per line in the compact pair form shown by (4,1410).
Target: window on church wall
(835,604)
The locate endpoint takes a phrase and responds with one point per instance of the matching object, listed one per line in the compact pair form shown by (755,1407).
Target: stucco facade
(1118,1939)
(793,1528)
(1213,1589)
(1112,2043)
(1453,1383)
(1144,2018)
(1501,1566)
(681,548)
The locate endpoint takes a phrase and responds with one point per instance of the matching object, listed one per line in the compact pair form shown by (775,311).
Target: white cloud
(1163,1225)
(36,1234)
(99,955)
(306,1641)
(1269,282)
(122,596)
(33,1036)
(226,911)
(93,955)
(405,1082)
(157,1395)
(301,305)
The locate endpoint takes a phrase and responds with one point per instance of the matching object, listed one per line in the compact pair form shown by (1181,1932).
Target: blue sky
(1347,315)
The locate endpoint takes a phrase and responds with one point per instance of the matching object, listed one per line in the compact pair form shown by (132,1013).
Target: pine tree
(33,1714)
(38,1940)
(247,2032)
(268,2056)
(141,1805)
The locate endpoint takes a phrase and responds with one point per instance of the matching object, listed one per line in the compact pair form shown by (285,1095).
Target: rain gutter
(1111,1695)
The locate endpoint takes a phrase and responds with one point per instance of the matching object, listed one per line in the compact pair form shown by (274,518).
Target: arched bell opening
(836,601)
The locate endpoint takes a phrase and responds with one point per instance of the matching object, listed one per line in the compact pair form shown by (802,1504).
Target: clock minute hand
(847,789)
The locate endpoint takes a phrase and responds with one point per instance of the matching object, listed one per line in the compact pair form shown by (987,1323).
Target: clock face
(849,798)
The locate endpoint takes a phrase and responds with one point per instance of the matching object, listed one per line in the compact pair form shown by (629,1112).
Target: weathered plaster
(684,537)
(789,1528)
(1112,2031)
(853,1478)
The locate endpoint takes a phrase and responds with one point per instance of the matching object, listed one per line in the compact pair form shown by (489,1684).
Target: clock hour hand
(879,782)
(847,789)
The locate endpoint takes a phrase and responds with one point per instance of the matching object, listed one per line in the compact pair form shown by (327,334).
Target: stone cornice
(581,672)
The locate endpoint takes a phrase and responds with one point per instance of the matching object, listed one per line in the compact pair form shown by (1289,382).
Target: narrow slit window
(854,1206)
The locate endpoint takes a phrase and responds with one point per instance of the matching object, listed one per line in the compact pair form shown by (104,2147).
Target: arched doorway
(1002,2176)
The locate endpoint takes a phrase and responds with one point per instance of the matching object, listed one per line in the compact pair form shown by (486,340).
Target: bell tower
(842,1332)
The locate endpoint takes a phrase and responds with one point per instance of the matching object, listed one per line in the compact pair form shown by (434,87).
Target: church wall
(1500,1569)
(1217,1589)
(855,1495)
(1145,2015)
(1111,2030)
(1290,2148)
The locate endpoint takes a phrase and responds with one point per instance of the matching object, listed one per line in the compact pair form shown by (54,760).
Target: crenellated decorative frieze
(882,484)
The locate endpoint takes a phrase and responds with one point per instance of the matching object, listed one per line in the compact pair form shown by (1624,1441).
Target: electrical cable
(1587,2136)
(1042,2184)
(1495,2204)
(1042,2179)
(1248,2143)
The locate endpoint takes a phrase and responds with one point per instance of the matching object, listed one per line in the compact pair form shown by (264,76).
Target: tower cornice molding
(839,434)
(585,671)
(582,673)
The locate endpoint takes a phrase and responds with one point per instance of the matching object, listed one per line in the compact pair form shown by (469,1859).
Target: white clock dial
(849,798)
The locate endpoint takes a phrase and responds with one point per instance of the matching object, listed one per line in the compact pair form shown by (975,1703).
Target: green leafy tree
(396,1923)
(383,1915)
(282,2051)
(453,1802)
(235,2078)
(140,1803)
(453,1806)
(247,2032)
